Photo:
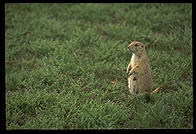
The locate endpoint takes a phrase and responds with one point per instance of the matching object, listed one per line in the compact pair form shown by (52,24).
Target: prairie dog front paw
(127,72)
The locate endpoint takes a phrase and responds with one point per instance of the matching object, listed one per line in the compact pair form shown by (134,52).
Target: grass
(60,60)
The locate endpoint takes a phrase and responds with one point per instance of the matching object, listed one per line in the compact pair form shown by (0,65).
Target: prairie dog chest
(134,60)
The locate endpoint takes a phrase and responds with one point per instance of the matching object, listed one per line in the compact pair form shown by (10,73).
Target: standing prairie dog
(138,70)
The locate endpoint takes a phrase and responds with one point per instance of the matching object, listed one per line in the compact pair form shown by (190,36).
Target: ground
(65,65)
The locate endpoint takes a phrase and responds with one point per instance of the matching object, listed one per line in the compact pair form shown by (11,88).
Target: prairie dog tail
(156,90)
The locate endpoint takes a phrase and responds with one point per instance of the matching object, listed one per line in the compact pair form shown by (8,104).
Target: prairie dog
(139,71)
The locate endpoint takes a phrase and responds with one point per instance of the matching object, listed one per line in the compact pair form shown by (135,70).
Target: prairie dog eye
(136,45)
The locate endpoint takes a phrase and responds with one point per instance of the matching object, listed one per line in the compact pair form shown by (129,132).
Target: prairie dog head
(137,48)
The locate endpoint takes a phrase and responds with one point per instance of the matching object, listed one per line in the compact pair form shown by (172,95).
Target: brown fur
(139,69)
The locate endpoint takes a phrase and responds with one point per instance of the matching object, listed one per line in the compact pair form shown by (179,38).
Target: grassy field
(65,65)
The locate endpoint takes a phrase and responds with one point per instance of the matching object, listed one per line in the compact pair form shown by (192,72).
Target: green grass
(60,60)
